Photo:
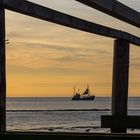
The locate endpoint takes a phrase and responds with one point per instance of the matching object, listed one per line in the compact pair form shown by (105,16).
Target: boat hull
(84,98)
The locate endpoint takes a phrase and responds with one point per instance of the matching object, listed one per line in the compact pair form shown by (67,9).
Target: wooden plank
(43,13)
(120,79)
(2,72)
(115,9)
(119,122)
(67,136)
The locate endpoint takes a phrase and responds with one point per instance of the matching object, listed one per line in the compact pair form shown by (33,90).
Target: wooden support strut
(2,71)
(120,122)
(120,80)
(120,91)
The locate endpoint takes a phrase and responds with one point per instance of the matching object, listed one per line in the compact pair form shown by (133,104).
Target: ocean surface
(61,114)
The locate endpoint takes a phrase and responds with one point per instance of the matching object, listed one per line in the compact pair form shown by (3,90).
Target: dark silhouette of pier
(119,121)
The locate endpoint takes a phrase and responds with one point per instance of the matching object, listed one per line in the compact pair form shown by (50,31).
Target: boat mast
(88,89)
(74,90)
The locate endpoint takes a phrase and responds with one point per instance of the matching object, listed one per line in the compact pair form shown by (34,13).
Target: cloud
(32,54)
(135,66)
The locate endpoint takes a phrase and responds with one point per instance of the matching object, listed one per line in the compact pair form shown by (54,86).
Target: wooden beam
(115,9)
(119,122)
(2,72)
(67,136)
(120,77)
(120,80)
(43,13)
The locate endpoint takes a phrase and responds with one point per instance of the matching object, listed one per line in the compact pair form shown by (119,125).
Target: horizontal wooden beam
(115,9)
(120,122)
(67,136)
(43,13)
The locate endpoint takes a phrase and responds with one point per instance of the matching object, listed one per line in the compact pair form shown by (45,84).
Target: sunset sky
(45,59)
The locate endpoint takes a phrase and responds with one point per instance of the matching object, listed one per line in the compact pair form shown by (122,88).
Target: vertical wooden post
(2,71)
(120,80)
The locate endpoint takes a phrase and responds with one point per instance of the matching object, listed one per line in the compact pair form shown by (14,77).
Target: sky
(45,59)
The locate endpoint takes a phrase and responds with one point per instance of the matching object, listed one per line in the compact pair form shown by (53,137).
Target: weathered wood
(120,79)
(40,12)
(67,136)
(2,72)
(115,9)
(120,122)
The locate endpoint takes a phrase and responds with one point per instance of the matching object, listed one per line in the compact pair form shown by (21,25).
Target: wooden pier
(120,80)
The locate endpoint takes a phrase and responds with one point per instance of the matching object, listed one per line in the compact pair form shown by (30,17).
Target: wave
(59,128)
(49,110)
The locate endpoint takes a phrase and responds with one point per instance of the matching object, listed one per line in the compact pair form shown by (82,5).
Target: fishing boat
(84,96)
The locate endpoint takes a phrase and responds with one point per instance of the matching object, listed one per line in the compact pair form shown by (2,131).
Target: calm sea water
(61,114)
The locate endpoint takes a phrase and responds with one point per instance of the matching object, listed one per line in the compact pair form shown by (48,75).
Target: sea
(61,114)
